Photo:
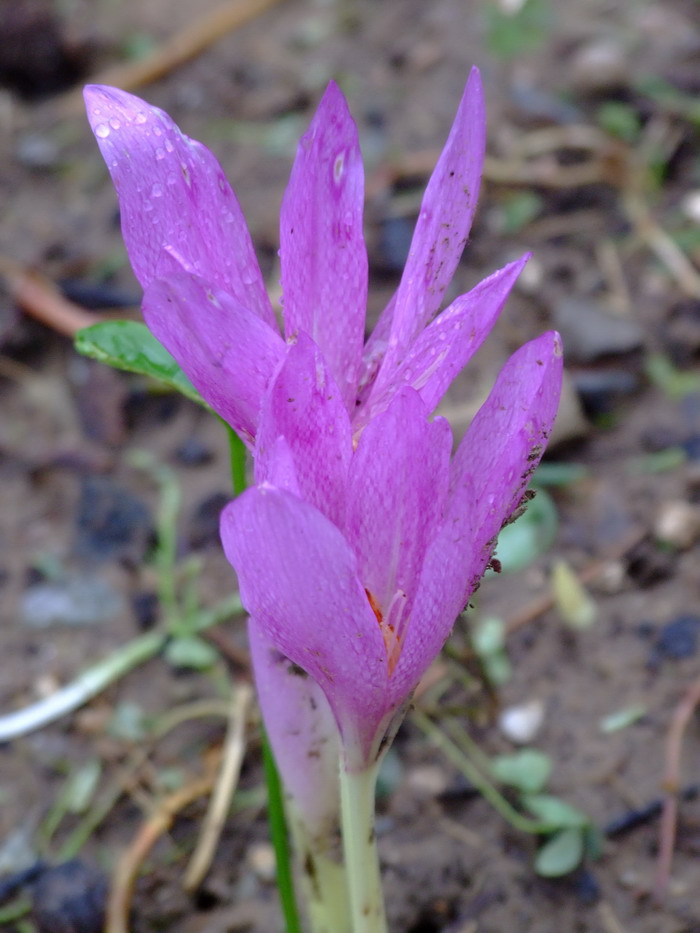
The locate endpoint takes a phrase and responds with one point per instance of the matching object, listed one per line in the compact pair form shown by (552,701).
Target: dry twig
(38,296)
(179,49)
(119,903)
(220,803)
(671,785)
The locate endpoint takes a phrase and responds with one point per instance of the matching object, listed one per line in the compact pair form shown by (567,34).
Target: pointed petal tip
(549,341)
(475,77)
(333,103)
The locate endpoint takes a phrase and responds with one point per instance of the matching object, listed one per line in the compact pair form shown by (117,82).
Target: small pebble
(590,331)
(70,898)
(600,390)
(193,453)
(427,780)
(145,607)
(678,639)
(80,600)
(691,446)
(690,205)
(37,152)
(612,577)
(678,524)
(587,887)
(521,723)
(204,524)
(112,523)
(600,65)
(261,858)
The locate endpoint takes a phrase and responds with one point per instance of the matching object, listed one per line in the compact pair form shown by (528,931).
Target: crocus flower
(355,560)
(205,298)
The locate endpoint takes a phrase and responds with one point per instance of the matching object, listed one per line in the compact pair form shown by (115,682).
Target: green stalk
(280,839)
(485,787)
(360,846)
(237,459)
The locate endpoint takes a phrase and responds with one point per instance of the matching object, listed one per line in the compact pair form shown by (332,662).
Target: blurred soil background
(594,166)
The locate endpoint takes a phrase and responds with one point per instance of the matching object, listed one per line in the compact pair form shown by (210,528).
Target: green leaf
(130,346)
(488,636)
(190,651)
(527,770)
(510,34)
(559,474)
(82,785)
(622,718)
(532,535)
(619,119)
(575,606)
(560,854)
(497,668)
(554,811)
(518,210)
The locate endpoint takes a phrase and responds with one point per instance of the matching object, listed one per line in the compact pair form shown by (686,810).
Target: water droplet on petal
(160,153)
(157,131)
(168,145)
(156,190)
(172,178)
(338,167)
(102,130)
(115,124)
(139,117)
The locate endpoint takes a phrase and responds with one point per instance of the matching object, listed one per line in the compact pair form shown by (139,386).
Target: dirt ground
(594,167)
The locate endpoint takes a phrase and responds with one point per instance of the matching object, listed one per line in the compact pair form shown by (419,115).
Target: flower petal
(227,351)
(298,579)
(490,472)
(305,407)
(506,439)
(441,232)
(322,248)
(173,192)
(445,347)
(397,488)
(302,732)
(447,579)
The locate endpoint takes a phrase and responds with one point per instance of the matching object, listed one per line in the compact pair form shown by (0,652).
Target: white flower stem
(322,875)
(361,857)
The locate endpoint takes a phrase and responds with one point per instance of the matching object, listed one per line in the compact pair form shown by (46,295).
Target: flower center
(390,626)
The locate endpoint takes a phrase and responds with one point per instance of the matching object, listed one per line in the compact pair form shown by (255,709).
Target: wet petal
(173,192)
(444,348)
(506,439)
(302,732)
(298,579)
(448,576)
(322,251)
(441,232)
(397,489)
(228,353)
(305,407)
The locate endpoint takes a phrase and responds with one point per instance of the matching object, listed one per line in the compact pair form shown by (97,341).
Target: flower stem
(322,876)
(360,845)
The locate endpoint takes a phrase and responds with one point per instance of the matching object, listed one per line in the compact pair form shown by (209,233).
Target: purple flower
(205,298)
(356,560)
(364,537)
